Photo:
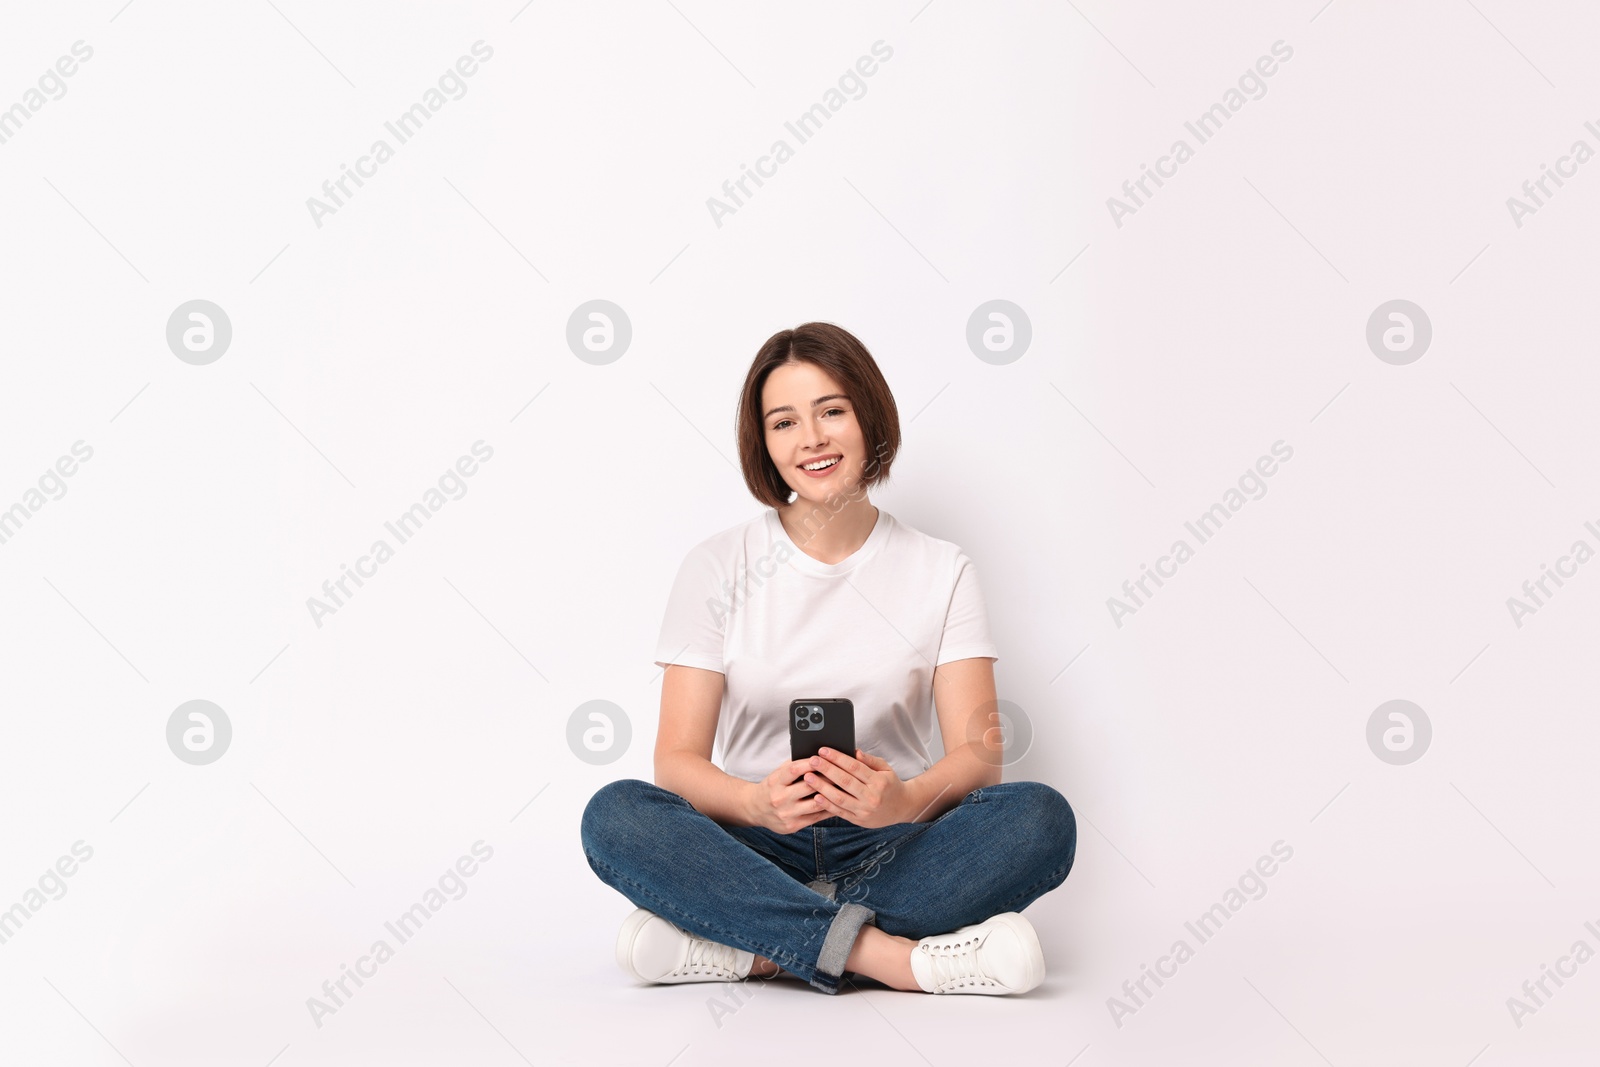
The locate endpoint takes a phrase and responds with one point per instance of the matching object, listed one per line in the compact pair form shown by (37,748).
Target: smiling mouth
(821,466)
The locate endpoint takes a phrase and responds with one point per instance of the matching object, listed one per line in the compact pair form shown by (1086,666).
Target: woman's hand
(864,790)
(783,803)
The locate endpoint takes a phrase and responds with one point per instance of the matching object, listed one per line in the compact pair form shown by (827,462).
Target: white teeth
(821,465)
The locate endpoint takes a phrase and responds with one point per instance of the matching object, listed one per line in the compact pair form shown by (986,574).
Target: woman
(880,862)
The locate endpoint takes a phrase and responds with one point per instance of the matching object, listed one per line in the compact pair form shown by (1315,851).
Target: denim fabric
(800,899)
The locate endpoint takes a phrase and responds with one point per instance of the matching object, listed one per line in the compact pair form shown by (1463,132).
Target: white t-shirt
(780,625)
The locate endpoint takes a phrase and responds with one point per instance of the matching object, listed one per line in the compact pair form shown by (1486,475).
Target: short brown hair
(847,360)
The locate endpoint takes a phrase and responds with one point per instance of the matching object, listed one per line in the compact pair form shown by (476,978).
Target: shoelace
(956,964)
(709,957)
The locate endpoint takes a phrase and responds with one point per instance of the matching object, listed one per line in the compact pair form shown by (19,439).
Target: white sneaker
(654,950)
(998,956)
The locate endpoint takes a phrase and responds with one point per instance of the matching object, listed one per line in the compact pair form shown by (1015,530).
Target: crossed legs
(997,851)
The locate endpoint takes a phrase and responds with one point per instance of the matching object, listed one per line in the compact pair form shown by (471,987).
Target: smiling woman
(760,861)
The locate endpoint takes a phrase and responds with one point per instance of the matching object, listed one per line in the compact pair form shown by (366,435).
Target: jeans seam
(784,959)
(782,862)
(919,828)
(1039,888)
(877,856)
(758,850)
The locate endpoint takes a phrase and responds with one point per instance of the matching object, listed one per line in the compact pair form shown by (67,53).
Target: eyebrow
(814,403)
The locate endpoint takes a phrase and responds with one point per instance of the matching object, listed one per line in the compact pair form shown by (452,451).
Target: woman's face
(807,418)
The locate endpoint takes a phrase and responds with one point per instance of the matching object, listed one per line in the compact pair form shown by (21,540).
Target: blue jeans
(800,899)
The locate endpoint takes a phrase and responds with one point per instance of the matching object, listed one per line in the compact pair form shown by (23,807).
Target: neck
(824,534)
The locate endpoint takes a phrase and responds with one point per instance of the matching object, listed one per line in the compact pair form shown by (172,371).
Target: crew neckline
(811,565)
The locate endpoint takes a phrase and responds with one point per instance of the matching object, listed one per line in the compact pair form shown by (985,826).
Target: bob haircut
(847,360)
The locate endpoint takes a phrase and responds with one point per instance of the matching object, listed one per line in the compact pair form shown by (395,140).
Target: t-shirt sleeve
(966,623)
(692,629)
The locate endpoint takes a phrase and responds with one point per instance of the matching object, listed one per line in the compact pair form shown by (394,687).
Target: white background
(1168,354)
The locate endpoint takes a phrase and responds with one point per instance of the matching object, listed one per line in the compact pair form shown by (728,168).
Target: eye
(831,411)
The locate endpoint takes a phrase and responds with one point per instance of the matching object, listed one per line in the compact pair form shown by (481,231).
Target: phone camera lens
(816,716)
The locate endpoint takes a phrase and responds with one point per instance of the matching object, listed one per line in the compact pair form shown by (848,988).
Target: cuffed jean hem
(842,934)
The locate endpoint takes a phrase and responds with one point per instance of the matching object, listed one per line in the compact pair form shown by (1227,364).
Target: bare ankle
(883,957)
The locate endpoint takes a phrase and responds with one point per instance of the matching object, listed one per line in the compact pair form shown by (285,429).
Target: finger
(804,820)
(837,776)
(795,768)
(812,809)
(836,798)
(838,812)
(849,764)
(805,813)
(795,792)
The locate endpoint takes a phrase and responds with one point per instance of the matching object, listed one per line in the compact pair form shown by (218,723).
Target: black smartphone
(813,724)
